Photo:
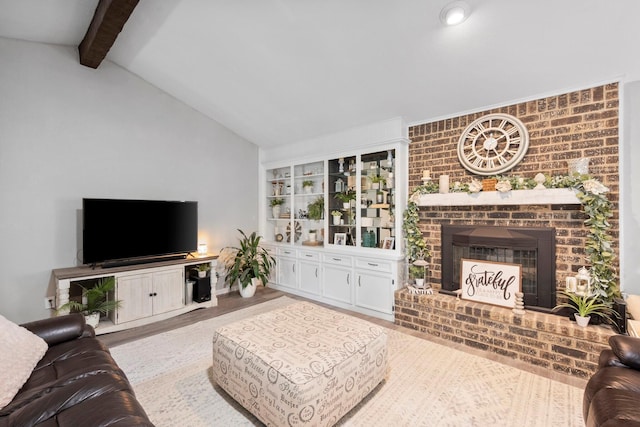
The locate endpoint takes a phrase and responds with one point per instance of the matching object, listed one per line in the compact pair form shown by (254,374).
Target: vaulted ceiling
(282,71)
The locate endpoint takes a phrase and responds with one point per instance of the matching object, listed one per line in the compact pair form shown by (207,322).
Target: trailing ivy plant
(416,245)
(596,206)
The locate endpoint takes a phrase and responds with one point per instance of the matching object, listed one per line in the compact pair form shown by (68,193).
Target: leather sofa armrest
(626,349)
(55,330)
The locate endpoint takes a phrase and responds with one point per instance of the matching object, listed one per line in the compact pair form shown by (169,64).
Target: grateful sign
(490,282)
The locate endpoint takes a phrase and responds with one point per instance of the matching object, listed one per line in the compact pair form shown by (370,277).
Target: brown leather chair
(612,395)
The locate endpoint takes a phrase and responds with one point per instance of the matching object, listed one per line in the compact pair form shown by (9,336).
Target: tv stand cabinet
(149,292)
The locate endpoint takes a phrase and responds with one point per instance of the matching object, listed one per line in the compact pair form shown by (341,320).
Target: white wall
(630,192)
(68,132)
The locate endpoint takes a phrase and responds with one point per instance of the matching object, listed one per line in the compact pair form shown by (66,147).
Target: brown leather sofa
(612,395)
(76,383)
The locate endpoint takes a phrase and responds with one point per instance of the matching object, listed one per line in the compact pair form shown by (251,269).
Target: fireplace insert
(531,247)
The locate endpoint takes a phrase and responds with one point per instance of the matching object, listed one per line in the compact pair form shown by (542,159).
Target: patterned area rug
(427,384)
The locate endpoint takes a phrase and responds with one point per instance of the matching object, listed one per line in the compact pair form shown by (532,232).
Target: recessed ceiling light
(455,13)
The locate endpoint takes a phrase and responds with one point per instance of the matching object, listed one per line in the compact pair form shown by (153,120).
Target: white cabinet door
(310,277)
(287,274)
(136,294)
(374,291)
(168,290)
(337,283)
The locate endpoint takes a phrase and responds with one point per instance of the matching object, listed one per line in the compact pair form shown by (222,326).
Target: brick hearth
(538,339)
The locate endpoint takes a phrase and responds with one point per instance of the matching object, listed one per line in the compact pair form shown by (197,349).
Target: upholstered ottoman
(299,365)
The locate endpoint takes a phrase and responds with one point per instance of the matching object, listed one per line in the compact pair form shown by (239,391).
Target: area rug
(427,384)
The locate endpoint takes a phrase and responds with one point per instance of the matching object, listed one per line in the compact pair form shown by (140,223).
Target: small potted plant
(95,301)
(275,206)
(249,265)
(337,216)
(585,306)
(202,269)
(307,186)
(377,181)
(315,209)
(346,197)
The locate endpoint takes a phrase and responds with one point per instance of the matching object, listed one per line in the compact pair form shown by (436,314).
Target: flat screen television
(118,231)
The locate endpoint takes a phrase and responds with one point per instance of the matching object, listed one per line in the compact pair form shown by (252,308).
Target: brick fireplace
(563,127)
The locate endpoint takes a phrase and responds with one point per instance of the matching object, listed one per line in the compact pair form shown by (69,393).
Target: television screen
(126,230)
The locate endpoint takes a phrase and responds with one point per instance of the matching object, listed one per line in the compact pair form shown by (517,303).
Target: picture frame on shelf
(340,239)
(388,242)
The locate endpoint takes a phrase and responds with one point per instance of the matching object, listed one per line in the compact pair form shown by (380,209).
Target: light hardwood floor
(226,304)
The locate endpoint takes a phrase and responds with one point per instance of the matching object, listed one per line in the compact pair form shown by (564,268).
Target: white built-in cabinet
(356,260)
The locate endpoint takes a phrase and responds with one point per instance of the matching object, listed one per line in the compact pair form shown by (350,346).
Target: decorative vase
(202,274)
(249,290)
(308,189)
(582,321)
(336,219)
(420,283)
(275,210)
(92,319)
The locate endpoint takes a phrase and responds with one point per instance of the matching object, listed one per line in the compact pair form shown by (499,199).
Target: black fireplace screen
(532,248)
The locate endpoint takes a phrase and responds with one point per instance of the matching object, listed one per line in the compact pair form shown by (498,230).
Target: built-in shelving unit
(352,259)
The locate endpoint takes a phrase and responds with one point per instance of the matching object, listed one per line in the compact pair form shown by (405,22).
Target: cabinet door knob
(348,276)
(372,264)
(316,271)
(359,278)
(308,255)
(337,259)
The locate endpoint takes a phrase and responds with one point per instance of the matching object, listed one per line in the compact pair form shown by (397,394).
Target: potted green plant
(585,306)
(202,269)
(307,186)
(250,264)
(377,181)
(95,301)
(337,216)
(315,209)
(275,206)
(345,197)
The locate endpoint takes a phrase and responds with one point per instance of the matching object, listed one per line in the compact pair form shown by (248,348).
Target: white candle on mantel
(444,184)
(425,174)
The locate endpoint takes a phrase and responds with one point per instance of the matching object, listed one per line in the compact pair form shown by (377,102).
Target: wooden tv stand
(149,292)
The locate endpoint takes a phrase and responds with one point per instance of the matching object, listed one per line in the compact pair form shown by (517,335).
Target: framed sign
(490,282)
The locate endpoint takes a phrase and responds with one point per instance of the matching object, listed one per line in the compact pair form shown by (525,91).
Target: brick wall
(563,127)
(541,340)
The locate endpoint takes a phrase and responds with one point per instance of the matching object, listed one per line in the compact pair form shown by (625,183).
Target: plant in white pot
(202,269)
(307,186)
(337,216)
(587,305)
(276,206)
(95,301)
(250,265)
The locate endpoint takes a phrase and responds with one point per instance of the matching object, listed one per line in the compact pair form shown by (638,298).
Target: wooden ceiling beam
(108,20)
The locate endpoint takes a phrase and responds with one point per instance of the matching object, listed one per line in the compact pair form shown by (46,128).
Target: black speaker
(620,306)
(201,289)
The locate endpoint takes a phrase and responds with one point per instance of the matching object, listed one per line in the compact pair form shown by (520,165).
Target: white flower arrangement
(503,185)
(475,186)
